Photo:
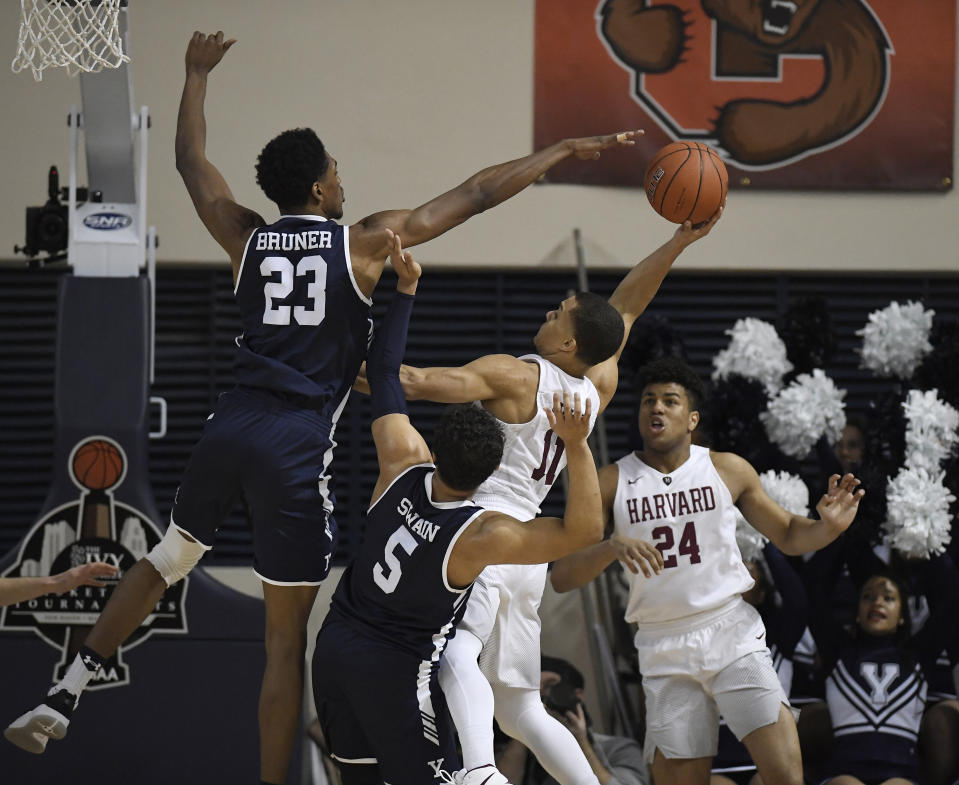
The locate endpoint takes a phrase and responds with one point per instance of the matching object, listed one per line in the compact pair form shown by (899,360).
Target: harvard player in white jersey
(578,348)
(702,648)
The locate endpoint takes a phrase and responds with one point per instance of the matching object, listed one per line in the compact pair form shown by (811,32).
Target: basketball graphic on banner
(97,465)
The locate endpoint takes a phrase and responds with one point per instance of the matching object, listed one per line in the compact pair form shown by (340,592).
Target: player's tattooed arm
(229,223)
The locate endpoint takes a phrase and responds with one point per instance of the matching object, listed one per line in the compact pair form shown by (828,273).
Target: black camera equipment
(48,226)
(562,697)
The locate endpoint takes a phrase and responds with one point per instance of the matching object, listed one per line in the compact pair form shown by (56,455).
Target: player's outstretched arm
(485,189)
(792,534)
(579,568)
(637,290)
(229,223)
(398,444)
(500,539)
(14,590)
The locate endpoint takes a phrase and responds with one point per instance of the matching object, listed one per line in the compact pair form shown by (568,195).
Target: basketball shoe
(49,720)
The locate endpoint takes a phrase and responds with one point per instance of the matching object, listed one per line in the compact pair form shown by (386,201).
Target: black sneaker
(49,720)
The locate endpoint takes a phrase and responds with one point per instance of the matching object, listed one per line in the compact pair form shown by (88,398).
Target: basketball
(97,465)
(686,181)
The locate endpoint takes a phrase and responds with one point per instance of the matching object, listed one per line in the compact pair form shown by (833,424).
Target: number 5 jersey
(688,514)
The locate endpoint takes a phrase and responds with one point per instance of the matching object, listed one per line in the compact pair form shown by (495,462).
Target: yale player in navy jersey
(303,285)
(377,655)
(701,647)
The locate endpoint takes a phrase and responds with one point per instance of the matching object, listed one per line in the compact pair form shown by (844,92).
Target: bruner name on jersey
(300,241)
(417,524)
(671,505)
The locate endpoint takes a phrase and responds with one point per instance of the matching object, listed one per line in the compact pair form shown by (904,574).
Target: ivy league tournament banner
(843,94)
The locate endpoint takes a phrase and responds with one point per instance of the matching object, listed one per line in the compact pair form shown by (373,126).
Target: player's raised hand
(839,504)
(407,269)
(568,418)
(688,234)
(637,555)
(589,147)
(206,50)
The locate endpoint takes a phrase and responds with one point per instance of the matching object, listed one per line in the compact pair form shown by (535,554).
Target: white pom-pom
(895,339)
(930,431)
(805,411)
(749,540)
(917,522)
(755,352)
(787,490)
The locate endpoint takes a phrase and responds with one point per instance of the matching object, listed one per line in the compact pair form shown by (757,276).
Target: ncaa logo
(107,221)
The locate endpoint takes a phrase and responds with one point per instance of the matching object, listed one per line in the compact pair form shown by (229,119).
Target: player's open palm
(838,506)
(407,269)
(637,555)
(568,418)
(589,147)
(206,50)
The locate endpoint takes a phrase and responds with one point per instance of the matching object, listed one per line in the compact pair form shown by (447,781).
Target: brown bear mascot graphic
(751,38)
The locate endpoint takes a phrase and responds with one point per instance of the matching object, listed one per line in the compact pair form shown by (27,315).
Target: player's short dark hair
(468,444)
(597,327)
(288,166)
(669,370)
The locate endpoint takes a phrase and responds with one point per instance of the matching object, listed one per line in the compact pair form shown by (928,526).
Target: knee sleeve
(174,556)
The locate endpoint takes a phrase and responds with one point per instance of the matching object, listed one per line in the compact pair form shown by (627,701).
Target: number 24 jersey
(690,517)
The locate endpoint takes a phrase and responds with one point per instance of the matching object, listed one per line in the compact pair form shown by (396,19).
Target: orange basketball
(97,465)
(686,181)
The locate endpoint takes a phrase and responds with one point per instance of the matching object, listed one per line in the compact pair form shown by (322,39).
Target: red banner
(839,94)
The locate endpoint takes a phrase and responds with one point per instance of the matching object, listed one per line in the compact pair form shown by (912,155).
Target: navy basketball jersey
(306,324)
(396,588)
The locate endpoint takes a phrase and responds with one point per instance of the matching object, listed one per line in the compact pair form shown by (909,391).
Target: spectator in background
(878,672)
(14,590)
(851,446)
(615,760)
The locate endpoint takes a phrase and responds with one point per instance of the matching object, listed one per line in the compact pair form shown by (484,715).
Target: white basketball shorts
(696,669)
(503,612)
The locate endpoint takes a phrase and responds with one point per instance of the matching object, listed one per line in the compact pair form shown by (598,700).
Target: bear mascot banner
(829,94)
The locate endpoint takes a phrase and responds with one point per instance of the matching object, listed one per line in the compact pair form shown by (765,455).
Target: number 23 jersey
(306,324)
(689,515)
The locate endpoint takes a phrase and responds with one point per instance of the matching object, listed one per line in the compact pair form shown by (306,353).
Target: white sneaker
(49,720)
(481,775)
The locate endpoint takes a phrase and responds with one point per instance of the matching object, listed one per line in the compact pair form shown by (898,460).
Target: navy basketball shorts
(277,457)
(381,705)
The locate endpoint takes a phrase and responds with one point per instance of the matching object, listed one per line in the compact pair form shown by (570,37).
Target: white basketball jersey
(689,516)
(533,456)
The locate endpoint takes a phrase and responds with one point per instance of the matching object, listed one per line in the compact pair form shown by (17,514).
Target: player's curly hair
(468,444)
(670,370)
(288,166)
(597,327)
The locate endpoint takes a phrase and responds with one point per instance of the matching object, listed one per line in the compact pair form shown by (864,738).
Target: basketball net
(79,35)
